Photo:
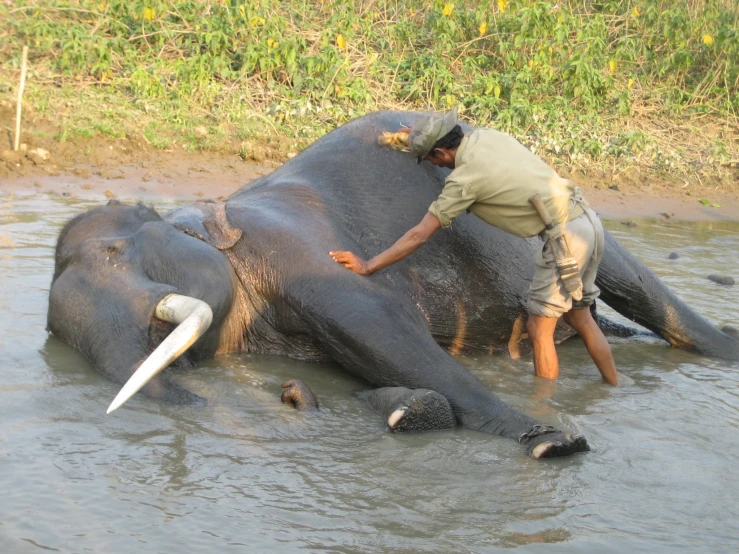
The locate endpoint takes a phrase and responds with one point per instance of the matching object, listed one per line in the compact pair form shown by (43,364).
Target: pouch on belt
(566,263)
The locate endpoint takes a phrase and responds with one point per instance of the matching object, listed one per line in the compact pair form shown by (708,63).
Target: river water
(248,474)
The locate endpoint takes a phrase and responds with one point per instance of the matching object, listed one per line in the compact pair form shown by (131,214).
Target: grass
(646,83)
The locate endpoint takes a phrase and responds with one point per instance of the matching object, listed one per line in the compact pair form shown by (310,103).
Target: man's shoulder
(478,156)
(486,139)
(496,147)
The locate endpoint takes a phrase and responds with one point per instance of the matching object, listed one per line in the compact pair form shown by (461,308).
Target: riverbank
(132,171)
(638,103)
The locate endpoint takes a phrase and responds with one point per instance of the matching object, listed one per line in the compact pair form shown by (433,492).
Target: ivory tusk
(193,317)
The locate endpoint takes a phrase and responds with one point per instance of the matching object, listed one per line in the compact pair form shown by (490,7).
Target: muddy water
(247,474)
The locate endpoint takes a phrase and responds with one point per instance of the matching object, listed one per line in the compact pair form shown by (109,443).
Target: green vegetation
(654,82)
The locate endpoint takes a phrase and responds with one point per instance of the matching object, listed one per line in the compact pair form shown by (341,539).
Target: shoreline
(635,205)
(182,176)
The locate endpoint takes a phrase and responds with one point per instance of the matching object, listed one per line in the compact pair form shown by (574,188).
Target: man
(493,177)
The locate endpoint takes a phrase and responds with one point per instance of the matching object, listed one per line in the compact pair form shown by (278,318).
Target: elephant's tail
(631,289)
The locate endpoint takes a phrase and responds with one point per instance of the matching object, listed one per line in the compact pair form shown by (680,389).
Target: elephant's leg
(411,409)
(299,395)
(634,291)
(382,337)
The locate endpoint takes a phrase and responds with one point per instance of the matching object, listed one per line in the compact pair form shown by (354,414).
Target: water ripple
(247,473)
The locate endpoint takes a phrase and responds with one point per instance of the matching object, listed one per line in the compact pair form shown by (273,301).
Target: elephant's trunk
(193,317)
(631,289)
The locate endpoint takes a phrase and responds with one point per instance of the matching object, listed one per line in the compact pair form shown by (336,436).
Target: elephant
(135,291)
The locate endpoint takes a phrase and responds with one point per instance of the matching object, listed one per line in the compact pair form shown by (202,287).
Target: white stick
(24,63)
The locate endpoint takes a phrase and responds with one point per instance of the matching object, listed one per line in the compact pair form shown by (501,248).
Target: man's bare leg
(595,342)
(541,333)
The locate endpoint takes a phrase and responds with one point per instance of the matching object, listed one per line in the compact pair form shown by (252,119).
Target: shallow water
(248,474)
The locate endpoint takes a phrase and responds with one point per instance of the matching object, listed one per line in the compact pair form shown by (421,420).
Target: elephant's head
(126,282)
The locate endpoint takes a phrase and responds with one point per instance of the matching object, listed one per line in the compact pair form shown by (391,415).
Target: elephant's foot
(423,411)
(544,441)
(412,410)
(299,395)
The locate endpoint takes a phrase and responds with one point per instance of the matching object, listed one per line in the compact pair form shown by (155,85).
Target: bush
(562,76)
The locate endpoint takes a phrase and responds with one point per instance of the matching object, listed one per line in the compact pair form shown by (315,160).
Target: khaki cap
(428,130)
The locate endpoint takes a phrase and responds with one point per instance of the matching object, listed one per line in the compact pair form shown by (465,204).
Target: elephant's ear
(208,222)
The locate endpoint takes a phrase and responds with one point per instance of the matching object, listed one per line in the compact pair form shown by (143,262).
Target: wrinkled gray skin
(263,267)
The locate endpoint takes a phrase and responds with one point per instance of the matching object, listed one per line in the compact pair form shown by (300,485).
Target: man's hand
(351,261)
(402,248)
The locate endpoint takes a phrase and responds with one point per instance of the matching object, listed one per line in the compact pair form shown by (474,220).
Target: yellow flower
(272,43)
(635,12)
(612,65)
(483,28)
(149,14)
(707,39)
(102,6)
(502,5)
(630,84)
(340,41)
(447,11)
(256,21)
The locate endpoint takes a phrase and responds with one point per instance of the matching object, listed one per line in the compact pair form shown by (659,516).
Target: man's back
(499,175)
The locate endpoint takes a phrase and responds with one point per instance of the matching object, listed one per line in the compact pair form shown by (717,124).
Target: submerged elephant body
(260,261)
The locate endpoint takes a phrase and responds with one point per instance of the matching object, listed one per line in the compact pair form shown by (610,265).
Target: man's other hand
(351,261)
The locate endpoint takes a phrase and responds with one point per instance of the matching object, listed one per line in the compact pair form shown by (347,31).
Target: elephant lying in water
(253,274)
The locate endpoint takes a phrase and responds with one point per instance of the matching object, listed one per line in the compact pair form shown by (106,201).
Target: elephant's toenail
(541,449)
(395,417)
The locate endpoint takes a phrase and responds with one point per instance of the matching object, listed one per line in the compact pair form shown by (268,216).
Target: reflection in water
(246,473)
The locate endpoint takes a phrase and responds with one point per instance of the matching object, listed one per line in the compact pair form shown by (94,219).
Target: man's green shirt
(494,177)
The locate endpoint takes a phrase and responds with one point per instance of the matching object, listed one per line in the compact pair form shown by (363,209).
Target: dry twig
(24,66)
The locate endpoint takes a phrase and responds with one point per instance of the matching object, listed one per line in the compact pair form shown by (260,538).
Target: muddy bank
(130,170)
(626,205)
(129,167)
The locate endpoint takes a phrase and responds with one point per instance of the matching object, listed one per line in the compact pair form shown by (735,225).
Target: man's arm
(403,247)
